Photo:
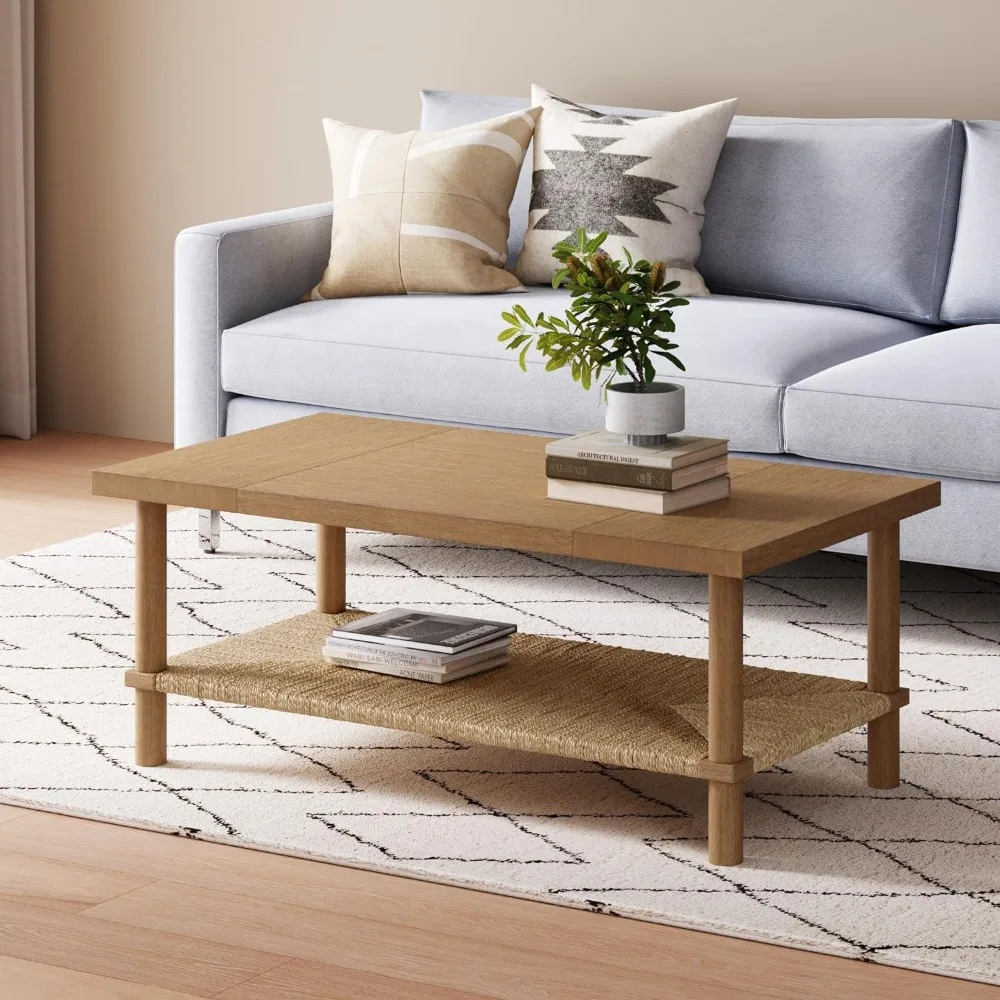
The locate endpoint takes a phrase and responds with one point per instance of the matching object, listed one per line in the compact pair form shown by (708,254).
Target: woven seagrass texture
(622,707)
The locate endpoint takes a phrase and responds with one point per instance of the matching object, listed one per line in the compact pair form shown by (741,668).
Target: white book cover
(420,673)
(372,653)
(646,501)
(603,446)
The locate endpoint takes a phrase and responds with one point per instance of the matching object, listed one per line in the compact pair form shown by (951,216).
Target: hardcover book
(647,501)
(420,673)
(639,477)
(424,630)
(603,446)
(399,655)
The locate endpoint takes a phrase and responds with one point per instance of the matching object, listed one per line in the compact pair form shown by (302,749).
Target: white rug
(909,877)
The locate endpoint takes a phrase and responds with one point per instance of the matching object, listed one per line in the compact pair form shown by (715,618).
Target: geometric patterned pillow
(423,211)
(643,180)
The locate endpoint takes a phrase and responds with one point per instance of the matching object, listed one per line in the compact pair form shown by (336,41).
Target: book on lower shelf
(420,645)
(337,645)
(419,673)
(647,501)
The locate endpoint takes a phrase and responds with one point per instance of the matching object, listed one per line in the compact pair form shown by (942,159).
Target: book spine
(625,457)
(556,449)
(364,652)
(601,495)
(608,473)
(409,672)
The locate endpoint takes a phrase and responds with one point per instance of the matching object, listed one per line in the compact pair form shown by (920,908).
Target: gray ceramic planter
(645,418)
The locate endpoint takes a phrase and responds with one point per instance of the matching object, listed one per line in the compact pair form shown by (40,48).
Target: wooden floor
(91,911)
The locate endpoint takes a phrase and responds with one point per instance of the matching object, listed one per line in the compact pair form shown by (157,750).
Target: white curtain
(17,219)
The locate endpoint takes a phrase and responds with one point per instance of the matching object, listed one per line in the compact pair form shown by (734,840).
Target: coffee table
(717,719)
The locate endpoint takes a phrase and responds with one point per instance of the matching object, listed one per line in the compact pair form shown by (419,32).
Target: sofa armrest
(227,273)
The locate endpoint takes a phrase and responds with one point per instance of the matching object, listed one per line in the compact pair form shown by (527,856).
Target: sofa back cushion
(850,212)
(972,294)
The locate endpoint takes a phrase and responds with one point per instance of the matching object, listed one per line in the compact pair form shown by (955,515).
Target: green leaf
(612,323)
(671,358)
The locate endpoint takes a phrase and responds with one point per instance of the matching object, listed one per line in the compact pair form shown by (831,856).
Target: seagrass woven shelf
(622,707)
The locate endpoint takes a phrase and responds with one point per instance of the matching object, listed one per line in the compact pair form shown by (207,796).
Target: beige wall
(160,114)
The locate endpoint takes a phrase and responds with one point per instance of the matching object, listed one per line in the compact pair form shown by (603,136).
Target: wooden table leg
(150,630)
(883,652)
(725,717)
(331,569)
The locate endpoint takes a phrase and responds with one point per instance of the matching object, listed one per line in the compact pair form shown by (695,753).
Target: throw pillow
(643,180)
(423,211)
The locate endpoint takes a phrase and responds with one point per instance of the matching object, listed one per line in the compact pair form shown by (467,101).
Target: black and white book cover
(424,630)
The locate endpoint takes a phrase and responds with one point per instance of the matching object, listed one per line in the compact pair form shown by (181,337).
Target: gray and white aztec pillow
(643,180)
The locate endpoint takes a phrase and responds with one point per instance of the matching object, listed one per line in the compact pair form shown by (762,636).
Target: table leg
(150,630)
(725,717)
(331,569)
(883,652)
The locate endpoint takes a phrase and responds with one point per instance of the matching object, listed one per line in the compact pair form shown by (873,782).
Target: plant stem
(638,376)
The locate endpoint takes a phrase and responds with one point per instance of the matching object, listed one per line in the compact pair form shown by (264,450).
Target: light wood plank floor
(90,911)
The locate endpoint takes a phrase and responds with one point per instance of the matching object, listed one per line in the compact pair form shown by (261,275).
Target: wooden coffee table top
(488,488)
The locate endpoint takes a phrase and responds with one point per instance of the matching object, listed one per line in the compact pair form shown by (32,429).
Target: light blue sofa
(854,321)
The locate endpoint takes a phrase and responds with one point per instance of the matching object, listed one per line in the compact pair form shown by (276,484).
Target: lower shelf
(622,707)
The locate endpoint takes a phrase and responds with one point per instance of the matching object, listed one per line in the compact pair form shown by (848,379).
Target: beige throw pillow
(423,211)
(643,180)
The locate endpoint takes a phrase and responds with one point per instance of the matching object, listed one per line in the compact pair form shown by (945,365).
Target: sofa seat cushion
(437,357)
(928,406)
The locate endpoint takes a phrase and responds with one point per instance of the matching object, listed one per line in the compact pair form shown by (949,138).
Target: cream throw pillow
(423,211)
(643,180)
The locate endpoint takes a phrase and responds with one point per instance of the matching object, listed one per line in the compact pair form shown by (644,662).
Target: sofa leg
(209,523)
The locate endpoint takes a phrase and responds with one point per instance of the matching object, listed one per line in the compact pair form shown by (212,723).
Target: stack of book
(599,468)
(420,645)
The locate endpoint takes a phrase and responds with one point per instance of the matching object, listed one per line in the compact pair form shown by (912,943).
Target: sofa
(854,320)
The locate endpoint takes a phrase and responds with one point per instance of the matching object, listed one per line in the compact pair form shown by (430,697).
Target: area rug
(908,877)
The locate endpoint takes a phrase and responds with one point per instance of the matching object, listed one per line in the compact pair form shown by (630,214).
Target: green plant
(621,313)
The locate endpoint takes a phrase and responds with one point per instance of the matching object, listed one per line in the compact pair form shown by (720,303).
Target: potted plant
(621,313)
